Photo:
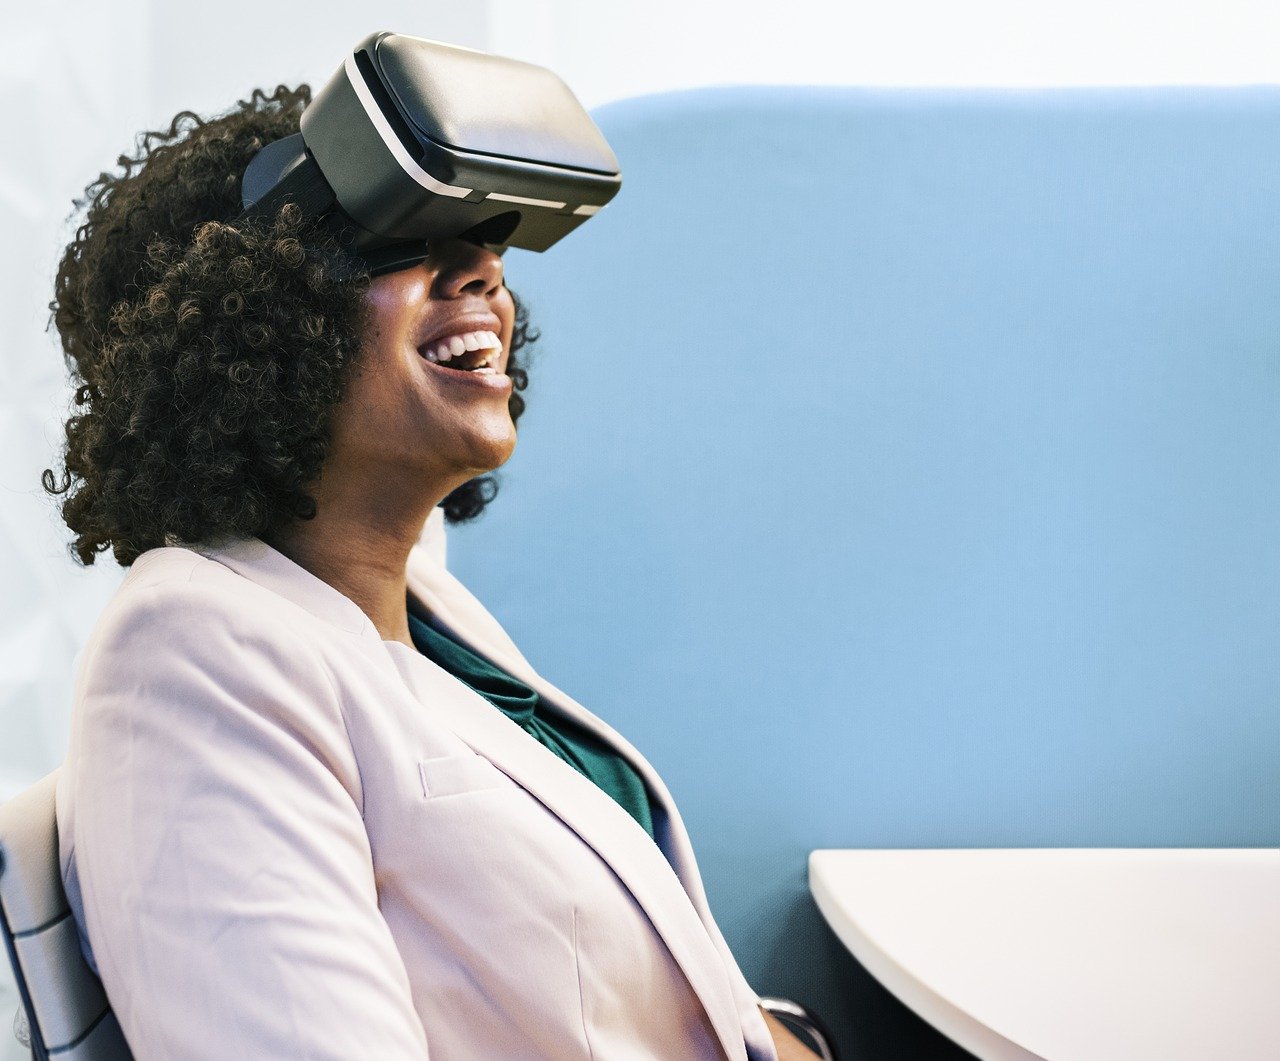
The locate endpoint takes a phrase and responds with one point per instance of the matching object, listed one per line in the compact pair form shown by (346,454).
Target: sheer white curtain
(67,97)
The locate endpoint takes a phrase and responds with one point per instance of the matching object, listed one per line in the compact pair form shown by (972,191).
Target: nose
(467,269)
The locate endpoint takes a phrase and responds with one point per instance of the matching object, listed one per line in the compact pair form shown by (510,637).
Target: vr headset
(412,140)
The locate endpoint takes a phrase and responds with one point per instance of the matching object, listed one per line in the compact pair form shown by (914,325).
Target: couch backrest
(900,470)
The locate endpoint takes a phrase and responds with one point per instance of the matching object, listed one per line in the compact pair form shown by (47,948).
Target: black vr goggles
(413,140)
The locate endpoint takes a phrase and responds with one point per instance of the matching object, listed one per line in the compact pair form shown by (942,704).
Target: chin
(507,452)
(497,450)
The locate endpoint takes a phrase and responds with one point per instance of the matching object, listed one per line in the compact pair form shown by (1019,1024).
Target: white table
(1071,954)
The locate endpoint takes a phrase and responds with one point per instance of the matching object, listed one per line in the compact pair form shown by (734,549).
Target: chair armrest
(809,1023)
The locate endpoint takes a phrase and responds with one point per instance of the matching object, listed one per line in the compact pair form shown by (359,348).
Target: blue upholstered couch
(901,470)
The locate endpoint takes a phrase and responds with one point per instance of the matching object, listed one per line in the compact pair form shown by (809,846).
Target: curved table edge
(967,1031)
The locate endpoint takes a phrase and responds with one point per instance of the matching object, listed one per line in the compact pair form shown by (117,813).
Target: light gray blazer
(283,837)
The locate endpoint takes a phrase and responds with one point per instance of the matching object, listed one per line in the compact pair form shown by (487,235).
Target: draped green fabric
(520,703)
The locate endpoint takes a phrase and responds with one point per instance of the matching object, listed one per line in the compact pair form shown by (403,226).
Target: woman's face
(404,412)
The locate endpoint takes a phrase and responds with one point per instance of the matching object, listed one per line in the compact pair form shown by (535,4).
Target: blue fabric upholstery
(900,470)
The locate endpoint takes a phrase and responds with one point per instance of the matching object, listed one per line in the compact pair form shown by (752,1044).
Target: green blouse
(581,749)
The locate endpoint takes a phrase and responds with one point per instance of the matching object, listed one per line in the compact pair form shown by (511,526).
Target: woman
(316,802)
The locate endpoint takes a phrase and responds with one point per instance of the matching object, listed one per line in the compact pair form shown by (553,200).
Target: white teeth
(455,345)
(484,340)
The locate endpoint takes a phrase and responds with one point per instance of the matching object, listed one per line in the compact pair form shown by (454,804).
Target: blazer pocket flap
(451,775)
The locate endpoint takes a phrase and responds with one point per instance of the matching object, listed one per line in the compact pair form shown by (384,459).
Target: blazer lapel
(467,620)
(664,882)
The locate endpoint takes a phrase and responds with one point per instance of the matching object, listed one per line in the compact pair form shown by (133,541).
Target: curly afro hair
(207,353)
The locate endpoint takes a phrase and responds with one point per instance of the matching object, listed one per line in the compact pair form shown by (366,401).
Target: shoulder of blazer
(177,595)
(183,628)
(194,579)
(176,585)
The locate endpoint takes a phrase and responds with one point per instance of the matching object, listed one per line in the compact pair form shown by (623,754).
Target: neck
(359,544)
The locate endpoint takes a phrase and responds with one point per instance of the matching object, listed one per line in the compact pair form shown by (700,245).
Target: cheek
(380,385)
(392,293)
(391,306)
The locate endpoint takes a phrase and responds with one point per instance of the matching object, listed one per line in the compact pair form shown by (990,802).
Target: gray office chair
(65,1014)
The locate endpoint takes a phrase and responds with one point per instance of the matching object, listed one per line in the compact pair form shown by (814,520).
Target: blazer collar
(270,568)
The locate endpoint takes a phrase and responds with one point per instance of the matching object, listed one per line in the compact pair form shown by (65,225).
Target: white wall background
(608,49)
(78,80)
